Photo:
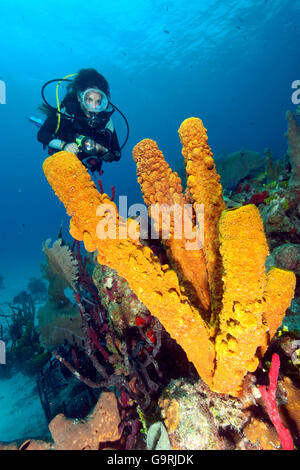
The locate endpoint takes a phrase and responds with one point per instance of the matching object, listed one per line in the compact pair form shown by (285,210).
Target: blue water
(230,63)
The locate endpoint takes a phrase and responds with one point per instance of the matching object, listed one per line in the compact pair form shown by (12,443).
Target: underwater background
(230,63)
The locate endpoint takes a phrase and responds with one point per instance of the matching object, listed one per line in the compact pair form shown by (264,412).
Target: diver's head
(91,89)
(92,100)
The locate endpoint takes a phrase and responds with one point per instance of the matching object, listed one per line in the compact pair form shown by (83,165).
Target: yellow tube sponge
(278,294)
(161,186)
(205,188)
(155,285)
(244,250)
(248,303)
(158,182)
(253,303)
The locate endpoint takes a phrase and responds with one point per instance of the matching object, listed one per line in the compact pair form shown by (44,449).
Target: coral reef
(281,217)
(98,428)
(194,415)
(157,437)
(273,167)
(280,212)
(60,263)
(197,418)
(37,289)
(237,165)
(278,200)
(293,136)
(60,391)
(117,351)
(143,296)
(160,186)
(287,256)
(57,323)
(121,303)
(58,318)
(269,397)
(240,309)
(260,434)
(290,411)
(25,352)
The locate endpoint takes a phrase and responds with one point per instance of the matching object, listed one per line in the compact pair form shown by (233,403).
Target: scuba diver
(82,122)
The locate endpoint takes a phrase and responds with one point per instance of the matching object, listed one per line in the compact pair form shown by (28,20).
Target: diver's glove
(104,153)
(72,147)
(56,144)
(100,149)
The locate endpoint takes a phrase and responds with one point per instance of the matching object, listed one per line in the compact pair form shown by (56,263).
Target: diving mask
(94,100)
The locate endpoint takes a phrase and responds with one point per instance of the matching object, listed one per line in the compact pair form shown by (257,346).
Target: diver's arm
(47,137)
(57,144)
(46,134)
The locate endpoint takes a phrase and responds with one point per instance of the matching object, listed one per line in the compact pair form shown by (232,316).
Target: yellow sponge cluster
(247,306)
(160,186)
(204,187)
(241,329)
(155,285)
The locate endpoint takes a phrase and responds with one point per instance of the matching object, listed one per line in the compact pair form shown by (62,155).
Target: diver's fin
(36,121)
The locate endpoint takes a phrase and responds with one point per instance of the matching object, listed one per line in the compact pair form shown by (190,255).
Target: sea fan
(61,261)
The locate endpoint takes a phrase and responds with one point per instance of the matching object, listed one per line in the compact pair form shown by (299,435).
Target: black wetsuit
(69,129)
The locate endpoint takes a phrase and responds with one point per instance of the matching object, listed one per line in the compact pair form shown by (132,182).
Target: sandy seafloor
(21,413)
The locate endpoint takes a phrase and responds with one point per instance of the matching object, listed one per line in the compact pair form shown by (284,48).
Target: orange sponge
(205,188)
(248,305)
(162,187)
(155,285)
